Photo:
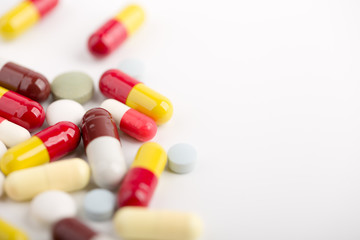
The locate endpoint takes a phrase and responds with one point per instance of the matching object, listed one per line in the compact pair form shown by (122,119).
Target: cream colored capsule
(144,224)
(66,175)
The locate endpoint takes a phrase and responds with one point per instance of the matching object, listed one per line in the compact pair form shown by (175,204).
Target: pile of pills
(31,161)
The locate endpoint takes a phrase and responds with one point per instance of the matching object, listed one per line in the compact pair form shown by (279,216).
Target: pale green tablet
(77,86)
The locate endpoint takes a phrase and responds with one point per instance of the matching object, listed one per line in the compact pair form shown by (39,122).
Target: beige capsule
(66,175)
(144,224)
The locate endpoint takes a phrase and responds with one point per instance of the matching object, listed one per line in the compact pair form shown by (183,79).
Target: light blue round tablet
(133,67)
(182,158)
(99,204)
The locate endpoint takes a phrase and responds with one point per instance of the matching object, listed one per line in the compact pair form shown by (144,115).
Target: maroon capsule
(73,229)
(24,81)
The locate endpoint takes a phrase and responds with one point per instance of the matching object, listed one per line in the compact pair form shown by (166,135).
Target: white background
(267,91)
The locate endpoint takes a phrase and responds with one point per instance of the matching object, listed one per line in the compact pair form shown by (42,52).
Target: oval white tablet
(64,110)
(182,158)
(51,206)
(99,204)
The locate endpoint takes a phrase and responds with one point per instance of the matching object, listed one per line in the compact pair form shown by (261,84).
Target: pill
(140,181)
(130,121)
(71,229)
(51,206)
(115,31)
(132,67)
(9,232)
(144,224)
(23,81)
(12,134)
(23,16)
(77,86)
(21,110)
(99,204)
(64,110)
(118,85)
(103,148)
(2,178)
(66,175)
(46,146)
(182,158)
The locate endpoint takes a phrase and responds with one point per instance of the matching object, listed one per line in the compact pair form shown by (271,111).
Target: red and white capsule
(12,134)
(130,121)
(103,148)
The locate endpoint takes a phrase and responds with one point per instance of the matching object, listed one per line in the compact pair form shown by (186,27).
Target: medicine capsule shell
(115,31)
(24,81)
(7,231)
(141,180)
(120,86)
(46,146)
(12,134)
(21,110)
(103,148)
(23,16)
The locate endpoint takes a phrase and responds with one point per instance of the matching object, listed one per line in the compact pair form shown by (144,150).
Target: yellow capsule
(9,232)
(65,175)
(131,17)
(152,157)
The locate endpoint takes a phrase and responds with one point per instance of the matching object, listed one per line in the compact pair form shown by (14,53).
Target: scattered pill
(182,158)
(133,67)
(46,146)
(51,206)
(77,86)
(103,148)
(9,232)
(99,204)
(24,81)
(118,85)
(23,16)
(140,181)
(2,178)
(73,229)
(21,110)
(66,175)
(3,149)
(144,224)
(130,121)
(64,110)
(115,31)
(12,134)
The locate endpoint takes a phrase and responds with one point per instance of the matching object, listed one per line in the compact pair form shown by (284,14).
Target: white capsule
(12,134)
(145,224)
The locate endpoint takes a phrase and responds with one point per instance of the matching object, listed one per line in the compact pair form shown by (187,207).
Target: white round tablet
(51,206)
(182,158)
(99,204)
(133,67)
(2,178)
(64,110)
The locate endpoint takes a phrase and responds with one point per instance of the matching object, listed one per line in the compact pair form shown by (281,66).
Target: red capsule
(24,81)
(21,110)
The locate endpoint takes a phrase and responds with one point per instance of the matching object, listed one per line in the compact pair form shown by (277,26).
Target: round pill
(76,86)
(51,206)
(182,158)
(133,67)
(64,110)
(2,178)
(99,204)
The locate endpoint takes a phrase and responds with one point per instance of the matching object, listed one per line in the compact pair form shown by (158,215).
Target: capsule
(12,134)
(130,121)
(23,16)
(103,148)
(115,31)
(71,229)
(144,224)
(24,81)
(46,146)
(9,232)
(140,181)
(116,84)
(66,175)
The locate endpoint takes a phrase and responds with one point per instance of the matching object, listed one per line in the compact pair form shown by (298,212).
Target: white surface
(267,91)
(64,110)
(51,206)
(133,67)
(116,108)
(107,162)
(12,134)
(3,62)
